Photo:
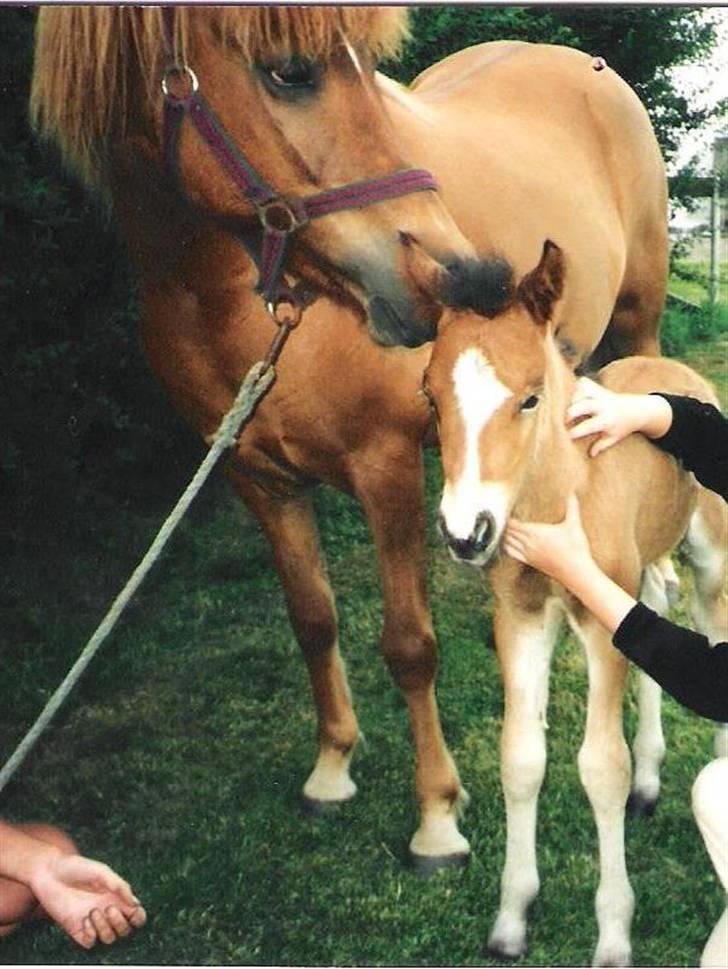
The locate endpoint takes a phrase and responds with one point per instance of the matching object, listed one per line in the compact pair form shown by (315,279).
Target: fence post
(720,177)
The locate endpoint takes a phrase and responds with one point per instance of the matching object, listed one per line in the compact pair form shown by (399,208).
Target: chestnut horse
(500,388)
(519,137)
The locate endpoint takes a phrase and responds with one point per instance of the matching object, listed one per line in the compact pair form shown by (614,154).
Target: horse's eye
(291,77)
(529,403)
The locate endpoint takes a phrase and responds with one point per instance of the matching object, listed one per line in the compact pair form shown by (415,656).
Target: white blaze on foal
(479,394)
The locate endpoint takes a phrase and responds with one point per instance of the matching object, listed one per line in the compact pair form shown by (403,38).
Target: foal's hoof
(315,808)
(639,806)
(425,865)
(503,953)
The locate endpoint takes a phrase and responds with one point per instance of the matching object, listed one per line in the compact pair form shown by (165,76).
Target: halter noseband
(280,216)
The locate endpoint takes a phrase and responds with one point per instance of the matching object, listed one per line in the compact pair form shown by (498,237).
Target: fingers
(110,924)
(592,425)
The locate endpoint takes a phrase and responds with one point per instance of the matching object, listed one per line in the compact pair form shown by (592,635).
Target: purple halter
(279,216)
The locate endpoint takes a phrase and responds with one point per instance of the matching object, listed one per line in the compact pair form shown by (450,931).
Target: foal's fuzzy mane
(94,64)
(485,286)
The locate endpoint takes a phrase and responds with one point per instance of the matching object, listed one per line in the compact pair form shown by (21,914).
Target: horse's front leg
(604,768)
(524,642)
(291,527)
(392,493)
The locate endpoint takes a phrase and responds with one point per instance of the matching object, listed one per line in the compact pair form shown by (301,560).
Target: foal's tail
(706,547)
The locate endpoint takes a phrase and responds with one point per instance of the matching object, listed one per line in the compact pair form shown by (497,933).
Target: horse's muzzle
(397,323)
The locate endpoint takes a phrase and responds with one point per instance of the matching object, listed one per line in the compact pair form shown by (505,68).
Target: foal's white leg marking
(649,742)
(479,394)
(604,768)
(526,659)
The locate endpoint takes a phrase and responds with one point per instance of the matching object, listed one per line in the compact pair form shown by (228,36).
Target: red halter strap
(279,216)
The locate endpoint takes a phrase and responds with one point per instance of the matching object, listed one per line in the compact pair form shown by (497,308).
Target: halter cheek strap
(279,216)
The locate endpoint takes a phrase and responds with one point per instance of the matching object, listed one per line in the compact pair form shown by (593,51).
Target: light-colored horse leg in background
(605,768)
(291,528)
(648,747)
(706,547)
(524,643)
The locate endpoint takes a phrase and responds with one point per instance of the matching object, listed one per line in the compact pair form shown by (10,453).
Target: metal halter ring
(290,318)
(279,215)
(181,71)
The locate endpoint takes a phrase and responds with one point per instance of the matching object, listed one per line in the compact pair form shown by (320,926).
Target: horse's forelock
(310,30)
(85,56)
(484,286)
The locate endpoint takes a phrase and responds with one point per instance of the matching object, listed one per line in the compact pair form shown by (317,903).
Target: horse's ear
(543,287)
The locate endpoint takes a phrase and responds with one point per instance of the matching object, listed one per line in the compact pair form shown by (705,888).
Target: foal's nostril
(483,531)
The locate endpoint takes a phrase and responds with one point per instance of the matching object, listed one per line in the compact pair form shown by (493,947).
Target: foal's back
(640,493)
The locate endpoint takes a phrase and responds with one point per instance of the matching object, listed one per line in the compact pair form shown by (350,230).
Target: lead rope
(256,383)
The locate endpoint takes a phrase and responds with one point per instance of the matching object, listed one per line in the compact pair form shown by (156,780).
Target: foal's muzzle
(477,548)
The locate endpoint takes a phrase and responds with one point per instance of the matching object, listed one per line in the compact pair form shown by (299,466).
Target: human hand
(87,899)
(561,551)
(613,416)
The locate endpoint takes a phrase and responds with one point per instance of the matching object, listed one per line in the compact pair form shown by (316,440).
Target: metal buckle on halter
(286,317)
(186,76)
(280,216)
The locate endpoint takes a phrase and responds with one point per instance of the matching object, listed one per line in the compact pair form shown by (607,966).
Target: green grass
(690,280)
(180,757)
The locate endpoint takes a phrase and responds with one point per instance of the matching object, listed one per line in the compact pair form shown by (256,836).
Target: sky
(714,74)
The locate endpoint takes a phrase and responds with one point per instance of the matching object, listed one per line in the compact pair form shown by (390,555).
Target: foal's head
(489,381)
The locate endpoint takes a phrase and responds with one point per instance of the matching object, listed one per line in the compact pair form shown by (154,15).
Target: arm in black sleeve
(698,438)
(681,661)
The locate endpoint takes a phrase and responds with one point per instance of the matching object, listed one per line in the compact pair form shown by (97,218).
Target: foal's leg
(391,490)
(604,767)
(291,528)
(649,742)
(524,643)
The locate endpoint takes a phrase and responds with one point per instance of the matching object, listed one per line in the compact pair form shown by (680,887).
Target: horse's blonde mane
(93,64)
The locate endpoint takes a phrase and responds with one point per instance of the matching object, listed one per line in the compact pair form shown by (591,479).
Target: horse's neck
(557,466)
(174,249)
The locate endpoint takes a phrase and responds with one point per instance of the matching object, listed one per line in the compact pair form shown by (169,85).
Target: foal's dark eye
(292,77)
(425,391)
(529,403)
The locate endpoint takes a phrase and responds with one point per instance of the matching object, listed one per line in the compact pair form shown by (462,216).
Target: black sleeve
(698,438)
(681,661)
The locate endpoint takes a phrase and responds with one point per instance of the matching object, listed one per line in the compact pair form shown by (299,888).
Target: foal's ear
(543,287)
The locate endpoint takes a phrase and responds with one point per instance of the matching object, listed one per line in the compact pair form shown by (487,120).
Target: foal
(499,387)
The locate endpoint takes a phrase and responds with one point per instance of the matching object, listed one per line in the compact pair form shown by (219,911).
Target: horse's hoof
(492,950)
(425,865)
(315,808)
(639,806)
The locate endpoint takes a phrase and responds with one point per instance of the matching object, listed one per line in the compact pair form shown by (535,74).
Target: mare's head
(498,386)
(294,88)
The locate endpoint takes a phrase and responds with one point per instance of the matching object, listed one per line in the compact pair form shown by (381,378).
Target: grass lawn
(691,281)
(180,757)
